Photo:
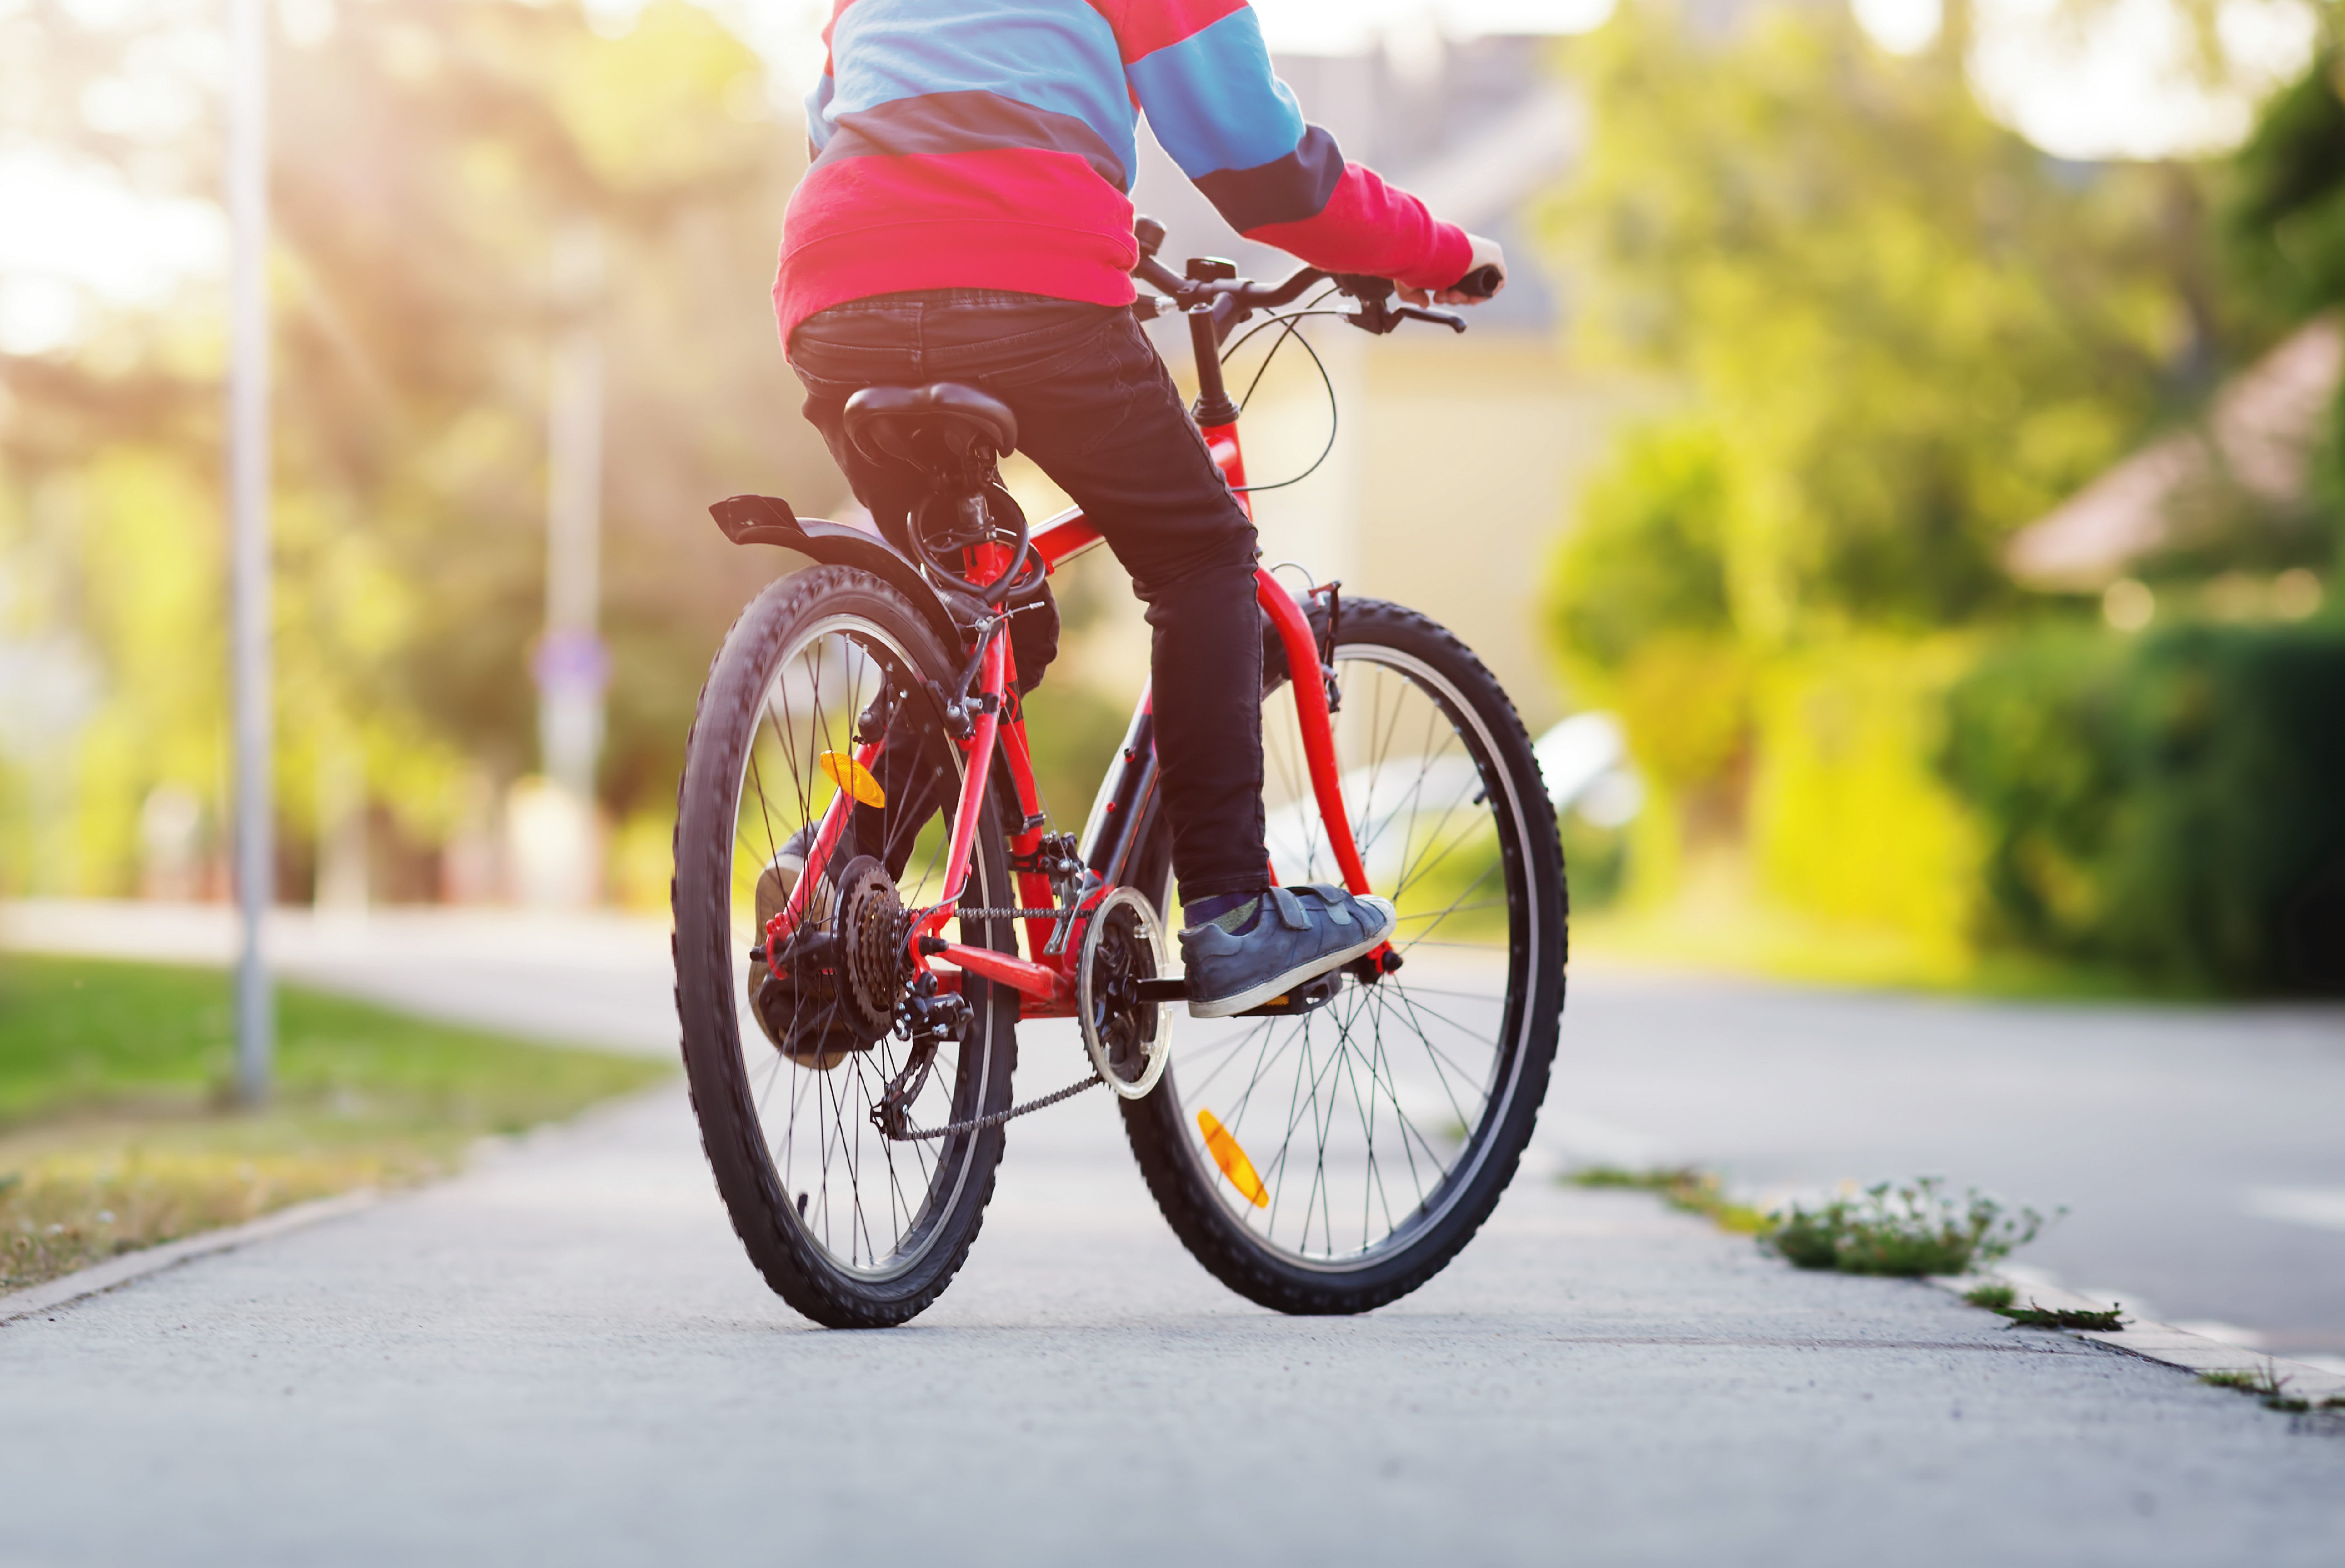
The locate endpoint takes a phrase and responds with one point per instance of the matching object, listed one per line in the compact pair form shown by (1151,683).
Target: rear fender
(768,520)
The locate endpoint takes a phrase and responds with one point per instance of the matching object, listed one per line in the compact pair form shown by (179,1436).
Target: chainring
(1129,1040)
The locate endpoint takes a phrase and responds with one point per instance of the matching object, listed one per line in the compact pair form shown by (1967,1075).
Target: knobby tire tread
(761,1215)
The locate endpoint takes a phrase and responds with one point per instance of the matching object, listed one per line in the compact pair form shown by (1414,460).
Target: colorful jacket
(991,144)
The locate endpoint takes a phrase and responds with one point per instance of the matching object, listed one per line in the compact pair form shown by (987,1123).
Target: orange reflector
(854,778)
(1231,1159)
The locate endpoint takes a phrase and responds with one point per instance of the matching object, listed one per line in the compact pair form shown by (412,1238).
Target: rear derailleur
(926,1017)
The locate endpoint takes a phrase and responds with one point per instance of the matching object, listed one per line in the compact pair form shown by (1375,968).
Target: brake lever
(1228,312)
(1375,316)
(1449,318)
(1381,316)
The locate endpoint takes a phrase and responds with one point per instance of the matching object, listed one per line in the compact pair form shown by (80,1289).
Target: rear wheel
(1335,1160)
(853,1228)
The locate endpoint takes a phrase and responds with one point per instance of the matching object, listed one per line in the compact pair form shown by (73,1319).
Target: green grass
(115,1131)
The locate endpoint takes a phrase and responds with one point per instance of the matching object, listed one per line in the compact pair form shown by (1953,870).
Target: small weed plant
(1994,1294)
(2090,1319)
(2269,1387)
(1908,1228)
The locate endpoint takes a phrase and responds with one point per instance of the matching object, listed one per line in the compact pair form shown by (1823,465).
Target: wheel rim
(1364,1122)
(874,1206)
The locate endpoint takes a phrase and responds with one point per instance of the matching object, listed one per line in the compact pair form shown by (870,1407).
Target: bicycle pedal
(1308,997)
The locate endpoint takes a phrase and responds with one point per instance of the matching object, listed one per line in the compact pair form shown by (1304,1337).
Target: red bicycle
(860,844)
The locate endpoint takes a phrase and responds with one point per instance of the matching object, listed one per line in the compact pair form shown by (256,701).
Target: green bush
(2175,805)
(1596,860)
(1645,556)
(1909,1229)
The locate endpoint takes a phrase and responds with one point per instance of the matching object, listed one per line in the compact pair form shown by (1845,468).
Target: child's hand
(1487,253)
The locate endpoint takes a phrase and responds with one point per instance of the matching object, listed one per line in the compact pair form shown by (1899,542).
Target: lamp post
(571,665)
(248,496)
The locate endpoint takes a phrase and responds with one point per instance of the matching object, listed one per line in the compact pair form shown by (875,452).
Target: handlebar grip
(1149,233)
(1482,282)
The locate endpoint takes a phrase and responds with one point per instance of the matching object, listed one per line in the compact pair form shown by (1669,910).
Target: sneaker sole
(1254,996)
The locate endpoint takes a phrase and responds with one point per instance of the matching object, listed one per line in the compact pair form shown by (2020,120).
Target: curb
(2162,1342)
(117,1271)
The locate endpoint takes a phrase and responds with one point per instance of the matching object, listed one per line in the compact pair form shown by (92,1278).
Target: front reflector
(854,778)
(1231,1159)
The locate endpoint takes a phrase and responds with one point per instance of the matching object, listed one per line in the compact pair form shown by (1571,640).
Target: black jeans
(1099,413)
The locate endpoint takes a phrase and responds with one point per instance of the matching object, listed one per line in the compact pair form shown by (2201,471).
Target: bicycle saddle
(951,429)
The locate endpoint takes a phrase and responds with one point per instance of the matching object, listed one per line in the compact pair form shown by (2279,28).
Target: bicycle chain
(978,1123)
(1003,915)
(1063,919)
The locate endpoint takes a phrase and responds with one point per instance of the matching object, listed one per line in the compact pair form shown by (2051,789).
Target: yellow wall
(1456,463)
(1456,466)
(1848,819)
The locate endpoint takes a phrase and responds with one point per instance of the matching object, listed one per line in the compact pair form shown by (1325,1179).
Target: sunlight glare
(1901,26)
(1356,26)
(77,227)
(2122,85)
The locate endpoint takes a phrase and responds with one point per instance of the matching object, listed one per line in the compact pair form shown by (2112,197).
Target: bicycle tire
(1200,1200)
(778,1232)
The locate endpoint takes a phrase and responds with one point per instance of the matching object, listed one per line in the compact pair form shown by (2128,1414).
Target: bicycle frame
(1045,979)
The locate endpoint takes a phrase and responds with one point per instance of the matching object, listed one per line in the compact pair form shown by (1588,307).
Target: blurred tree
(1902,332)
(2284,224)
(1648,531)
(1905,331)
(427,154)
(2285,213)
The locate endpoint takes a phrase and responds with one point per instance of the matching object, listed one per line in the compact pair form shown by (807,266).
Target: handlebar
(1214,287)
(1482,282)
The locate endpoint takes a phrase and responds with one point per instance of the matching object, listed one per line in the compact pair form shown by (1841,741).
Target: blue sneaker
(1296,935)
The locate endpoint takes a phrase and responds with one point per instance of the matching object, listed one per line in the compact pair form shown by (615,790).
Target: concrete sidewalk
(565,1358)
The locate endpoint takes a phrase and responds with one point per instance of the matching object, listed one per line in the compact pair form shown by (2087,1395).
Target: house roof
(2257,437)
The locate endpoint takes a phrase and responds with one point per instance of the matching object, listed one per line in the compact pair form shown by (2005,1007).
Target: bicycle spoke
(868,1201)
(1356,1115)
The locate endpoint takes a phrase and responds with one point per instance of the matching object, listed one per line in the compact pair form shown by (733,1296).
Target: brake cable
(1334,415)
(1285,321)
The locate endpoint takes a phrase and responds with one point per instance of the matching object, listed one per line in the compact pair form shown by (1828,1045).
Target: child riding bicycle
(966,218)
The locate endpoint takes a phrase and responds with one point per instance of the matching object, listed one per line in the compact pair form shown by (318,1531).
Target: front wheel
(1334,1160)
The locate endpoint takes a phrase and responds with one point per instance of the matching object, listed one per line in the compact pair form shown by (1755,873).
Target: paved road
(564,1359)
(2200,1152)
